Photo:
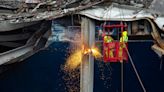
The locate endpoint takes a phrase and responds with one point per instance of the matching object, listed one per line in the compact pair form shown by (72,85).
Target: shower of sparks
(105,73)
(96,53)
(71,68)
(74,60)
(71,79)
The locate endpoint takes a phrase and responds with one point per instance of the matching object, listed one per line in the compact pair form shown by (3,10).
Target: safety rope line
(135,70)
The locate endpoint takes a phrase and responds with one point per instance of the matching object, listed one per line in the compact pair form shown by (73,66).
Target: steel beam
(87,66)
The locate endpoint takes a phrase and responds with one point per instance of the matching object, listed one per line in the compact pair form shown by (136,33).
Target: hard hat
(105,37)
(124,33)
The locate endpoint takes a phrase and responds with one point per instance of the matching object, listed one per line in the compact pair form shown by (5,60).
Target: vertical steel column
(87,66)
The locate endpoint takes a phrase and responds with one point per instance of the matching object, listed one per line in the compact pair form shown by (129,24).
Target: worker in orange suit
(107,40)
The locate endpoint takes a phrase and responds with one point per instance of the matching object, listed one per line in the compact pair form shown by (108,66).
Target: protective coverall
(107,41)
(123,40)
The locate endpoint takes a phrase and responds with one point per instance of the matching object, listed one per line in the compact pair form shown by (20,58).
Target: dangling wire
(122,63)
(135,70)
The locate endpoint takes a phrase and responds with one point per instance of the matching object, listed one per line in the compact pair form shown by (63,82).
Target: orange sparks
(96,53)
(87,51)
(75,59)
